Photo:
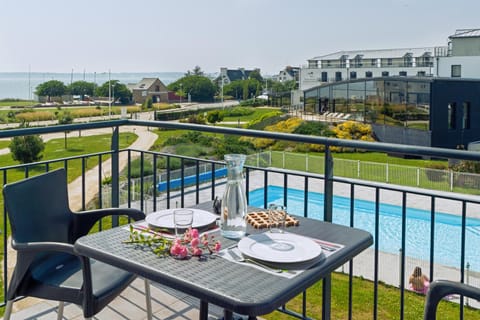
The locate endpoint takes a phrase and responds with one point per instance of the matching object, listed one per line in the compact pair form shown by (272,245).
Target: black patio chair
(439,289)
(44,230)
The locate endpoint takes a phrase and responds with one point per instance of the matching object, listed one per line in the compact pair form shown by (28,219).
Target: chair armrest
(43,246)
(85,220)
(442,288)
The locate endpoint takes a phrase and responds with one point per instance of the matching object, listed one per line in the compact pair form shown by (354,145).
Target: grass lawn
(16,103)
(362,302)
(4,144)
(55,149)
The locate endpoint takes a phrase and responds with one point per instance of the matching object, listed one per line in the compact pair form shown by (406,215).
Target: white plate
(279,247)
(164,218)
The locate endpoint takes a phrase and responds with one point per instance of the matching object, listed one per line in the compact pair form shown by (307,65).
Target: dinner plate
(164,219)
(279,247)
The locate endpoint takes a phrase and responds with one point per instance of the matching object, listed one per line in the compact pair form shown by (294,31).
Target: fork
(239,258)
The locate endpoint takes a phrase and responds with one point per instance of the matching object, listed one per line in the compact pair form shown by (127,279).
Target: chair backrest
(38,208)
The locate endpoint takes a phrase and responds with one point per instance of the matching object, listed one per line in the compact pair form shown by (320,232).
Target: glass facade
(400,102)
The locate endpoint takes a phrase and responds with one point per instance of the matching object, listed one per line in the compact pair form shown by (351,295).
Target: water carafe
(234,203)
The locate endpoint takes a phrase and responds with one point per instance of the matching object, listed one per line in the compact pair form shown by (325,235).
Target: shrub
(238,112)
(135,168)
(27,149)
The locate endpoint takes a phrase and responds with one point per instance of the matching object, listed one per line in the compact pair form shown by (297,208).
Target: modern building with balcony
(460,58)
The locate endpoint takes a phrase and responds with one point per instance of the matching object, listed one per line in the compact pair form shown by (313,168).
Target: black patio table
(235,287)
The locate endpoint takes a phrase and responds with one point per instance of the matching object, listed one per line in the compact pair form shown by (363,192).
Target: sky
(176,36)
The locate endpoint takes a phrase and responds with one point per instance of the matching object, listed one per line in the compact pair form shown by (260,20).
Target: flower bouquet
(190,244)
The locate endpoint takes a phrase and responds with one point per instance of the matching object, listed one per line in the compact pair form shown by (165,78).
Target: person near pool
(418,282)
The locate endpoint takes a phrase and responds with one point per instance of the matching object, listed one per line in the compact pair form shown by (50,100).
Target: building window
(353,75)
(389,61)
(324,76)
(466,115)
(456,71)
(452,115)
(368,74)
(374,62)
(421,74)
(338,76)
(402,73)
(384,73)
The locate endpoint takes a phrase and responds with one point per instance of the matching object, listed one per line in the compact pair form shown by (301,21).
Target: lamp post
(109,94)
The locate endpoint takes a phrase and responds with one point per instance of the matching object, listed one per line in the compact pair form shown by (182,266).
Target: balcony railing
(322,196)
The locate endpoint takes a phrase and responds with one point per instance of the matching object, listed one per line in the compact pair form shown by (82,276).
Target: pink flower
(194,233)
(176,249)
(197,251)
(218,246)
(195,242)
(183,252)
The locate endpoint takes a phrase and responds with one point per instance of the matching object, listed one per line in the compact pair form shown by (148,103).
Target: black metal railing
(143,193)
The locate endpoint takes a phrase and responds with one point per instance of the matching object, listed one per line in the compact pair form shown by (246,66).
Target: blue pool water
(447,226)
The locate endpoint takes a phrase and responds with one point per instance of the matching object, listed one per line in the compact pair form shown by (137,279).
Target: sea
(22,85)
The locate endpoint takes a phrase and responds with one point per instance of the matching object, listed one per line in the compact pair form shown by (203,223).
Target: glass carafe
(234,202)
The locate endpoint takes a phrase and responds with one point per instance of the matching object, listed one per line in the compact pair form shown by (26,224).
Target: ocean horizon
(22,85)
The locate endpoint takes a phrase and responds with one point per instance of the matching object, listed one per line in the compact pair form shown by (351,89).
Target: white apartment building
(461,58)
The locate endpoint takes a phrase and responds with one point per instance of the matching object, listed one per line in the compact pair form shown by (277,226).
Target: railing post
(327,216)
(400,275)
(115,168)
(468,281)
(306,163)
(358,168)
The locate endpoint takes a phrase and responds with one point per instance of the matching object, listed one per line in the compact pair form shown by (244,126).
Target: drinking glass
(277,215)
(182,219)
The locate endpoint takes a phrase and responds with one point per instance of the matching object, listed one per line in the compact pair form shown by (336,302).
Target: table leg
(203,310)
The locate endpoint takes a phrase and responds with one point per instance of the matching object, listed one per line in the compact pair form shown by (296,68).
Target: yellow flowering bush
(352,130)
(287,126)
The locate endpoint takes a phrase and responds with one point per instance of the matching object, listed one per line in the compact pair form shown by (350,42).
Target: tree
(118,91)
(27,149)
(197,71)
(148,104)
(65,118)
(52,88)
(81,88)
(255,74)
(234,89)
(200,88)
(214,116)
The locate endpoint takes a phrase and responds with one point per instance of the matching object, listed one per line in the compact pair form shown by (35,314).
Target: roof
(465,33)
(145,83)
(377,54)
(292,71)
(237,75)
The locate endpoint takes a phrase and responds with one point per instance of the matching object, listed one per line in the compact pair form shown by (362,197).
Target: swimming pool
(447,226)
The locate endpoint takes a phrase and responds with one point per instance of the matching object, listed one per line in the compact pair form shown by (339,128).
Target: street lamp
(109,94)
